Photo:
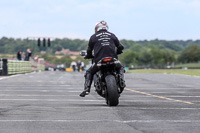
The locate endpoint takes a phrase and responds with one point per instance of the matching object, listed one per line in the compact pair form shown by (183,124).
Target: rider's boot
(87,85)
(122,84)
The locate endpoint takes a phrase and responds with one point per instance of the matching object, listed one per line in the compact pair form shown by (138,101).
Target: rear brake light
(106,60)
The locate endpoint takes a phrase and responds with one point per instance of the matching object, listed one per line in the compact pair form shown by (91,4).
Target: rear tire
(112,98)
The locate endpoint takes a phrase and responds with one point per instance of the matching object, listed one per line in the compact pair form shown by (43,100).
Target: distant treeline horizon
(147,53)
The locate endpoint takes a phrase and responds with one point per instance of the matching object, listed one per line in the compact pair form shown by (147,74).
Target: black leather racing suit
(102,44)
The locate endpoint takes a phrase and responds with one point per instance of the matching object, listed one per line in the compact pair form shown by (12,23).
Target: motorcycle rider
(102,44)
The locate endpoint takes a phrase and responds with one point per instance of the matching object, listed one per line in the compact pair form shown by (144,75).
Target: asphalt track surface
(49,102)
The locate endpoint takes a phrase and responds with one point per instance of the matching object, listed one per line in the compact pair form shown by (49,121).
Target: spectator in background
(73,65)
(36,58)
(83,66)
(19,55)
(28,54)
(23,56)
(79,65)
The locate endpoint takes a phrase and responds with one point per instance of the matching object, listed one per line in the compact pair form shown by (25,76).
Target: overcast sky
(128,19)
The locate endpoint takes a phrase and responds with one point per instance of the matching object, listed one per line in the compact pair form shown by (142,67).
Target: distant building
(67,52)
(43,52)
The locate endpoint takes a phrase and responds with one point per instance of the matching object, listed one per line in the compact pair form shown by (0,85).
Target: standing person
(28,54)
(82,66)
(102,44)
(23,56)
(19,55)
(79,65)
(73,65)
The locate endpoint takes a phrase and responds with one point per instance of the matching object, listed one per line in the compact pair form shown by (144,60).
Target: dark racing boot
(122,84)
(85,92)
(87,85)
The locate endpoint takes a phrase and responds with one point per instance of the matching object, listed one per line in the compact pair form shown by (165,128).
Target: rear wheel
(112,98)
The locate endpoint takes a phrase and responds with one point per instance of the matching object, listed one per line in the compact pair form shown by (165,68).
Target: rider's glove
(119,51)
(88,56)
(85,57)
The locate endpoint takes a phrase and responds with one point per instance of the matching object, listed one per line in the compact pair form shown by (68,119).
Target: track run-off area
(49,102)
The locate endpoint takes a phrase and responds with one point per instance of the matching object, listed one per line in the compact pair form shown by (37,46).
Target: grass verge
(194,72)
(188,65)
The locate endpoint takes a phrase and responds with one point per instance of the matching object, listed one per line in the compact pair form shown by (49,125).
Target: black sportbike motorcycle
(107,81)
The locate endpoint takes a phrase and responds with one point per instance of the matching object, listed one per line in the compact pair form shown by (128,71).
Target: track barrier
(10,67)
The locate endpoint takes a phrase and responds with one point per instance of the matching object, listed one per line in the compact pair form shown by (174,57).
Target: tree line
(160,53)
(147,53)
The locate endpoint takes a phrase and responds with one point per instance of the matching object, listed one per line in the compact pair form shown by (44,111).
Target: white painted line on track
(118,121)
(12,76)
(75,100)
(74,91)
(153,121)
(138,96)
(135,108)
(33,86)
(103,107)
(20,95)
(180,92)
(183,96)
(155,101)
(56,90)
(53,100)
(55,108)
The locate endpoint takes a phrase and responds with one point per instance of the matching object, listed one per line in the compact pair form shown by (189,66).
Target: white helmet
(101,25)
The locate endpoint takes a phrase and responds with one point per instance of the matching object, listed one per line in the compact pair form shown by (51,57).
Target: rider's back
(104,44)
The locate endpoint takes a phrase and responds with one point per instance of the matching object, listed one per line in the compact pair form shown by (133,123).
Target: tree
(129,57)
(190,54)
(145,57)
(169,56)
(158,57)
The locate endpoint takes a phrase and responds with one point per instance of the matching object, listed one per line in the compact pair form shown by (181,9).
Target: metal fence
(1,64)
(17,67)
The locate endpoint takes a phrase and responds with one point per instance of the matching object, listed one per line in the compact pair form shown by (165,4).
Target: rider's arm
(119,45)
(89,49)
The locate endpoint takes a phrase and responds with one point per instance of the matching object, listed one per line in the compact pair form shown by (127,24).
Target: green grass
(7,56)
(189,65)
(194,72)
